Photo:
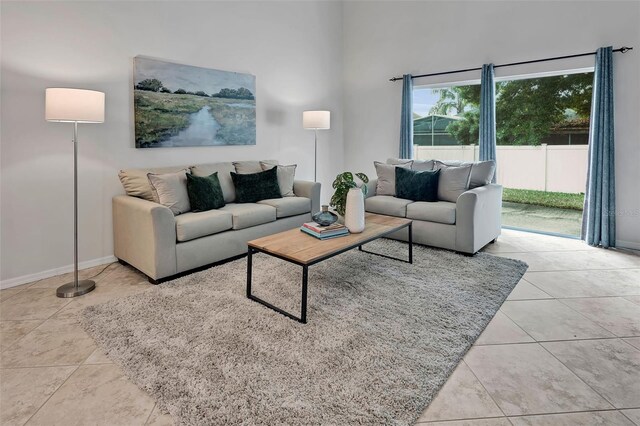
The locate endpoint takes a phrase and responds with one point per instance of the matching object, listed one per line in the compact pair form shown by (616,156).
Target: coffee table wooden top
(298,247)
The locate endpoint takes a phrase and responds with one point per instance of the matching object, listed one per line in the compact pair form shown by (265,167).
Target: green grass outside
(158,116)
(560,200)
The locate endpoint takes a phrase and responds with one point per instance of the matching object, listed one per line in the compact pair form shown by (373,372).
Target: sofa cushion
(289,206)
(453,181)
(248,167)
(224,176)
(190,226)
(398,161)
(440,212)
(419,165)
(423,165)
(387,177)
(385,204)
(246,215)
(136,183)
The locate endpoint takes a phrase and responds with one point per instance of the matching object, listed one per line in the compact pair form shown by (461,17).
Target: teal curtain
(599,215)
(487,115)
(406,118)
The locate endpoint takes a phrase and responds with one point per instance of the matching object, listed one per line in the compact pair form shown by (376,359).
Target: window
(542,131)
(445,122)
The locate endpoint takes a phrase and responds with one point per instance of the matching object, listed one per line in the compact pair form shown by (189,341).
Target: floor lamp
(74,106)
(316,120)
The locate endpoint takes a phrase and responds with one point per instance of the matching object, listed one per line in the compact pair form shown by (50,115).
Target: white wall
(294,49)
(303,54)
(386,39)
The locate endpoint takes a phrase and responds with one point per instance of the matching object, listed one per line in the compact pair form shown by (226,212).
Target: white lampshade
(71,105)
(316,120)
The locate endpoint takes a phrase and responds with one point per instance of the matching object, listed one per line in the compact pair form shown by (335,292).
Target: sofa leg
(494,240)
(154,282)
(466,254)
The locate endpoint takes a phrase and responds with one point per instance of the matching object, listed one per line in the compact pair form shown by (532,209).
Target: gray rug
(382,338)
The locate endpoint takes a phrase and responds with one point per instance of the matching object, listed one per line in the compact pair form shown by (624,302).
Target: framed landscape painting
(182,105)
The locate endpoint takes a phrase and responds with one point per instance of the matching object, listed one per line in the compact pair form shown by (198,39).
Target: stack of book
(334,230)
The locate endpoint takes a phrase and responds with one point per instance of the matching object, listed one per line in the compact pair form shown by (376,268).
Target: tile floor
(564,349)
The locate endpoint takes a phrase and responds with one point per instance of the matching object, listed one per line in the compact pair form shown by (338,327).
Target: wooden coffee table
(305,250)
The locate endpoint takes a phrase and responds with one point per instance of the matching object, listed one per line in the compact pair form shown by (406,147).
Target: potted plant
(348,199)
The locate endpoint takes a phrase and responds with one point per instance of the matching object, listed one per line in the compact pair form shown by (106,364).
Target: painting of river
(181,105)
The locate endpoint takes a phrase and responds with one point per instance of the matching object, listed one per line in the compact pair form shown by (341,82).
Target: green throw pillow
(417,185)
(256,186)
(205,193)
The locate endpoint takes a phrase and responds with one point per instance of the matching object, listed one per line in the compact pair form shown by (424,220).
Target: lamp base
(70,290)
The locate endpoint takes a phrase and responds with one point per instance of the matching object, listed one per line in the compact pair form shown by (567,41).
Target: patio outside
(552,212)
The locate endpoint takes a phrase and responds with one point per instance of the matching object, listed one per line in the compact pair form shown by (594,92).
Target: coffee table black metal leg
(305,280)
(411,243)
(249,270)
(409,227)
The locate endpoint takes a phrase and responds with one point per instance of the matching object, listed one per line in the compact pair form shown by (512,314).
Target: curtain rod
(623,49)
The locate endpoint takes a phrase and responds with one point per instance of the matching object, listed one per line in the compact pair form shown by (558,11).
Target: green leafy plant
(342,184)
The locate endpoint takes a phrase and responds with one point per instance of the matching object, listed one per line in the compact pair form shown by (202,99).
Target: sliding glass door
(542,126)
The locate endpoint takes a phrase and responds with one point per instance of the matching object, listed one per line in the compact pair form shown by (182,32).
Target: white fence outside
(555,168)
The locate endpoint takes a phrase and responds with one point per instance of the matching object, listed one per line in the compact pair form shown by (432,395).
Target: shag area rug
(382,336)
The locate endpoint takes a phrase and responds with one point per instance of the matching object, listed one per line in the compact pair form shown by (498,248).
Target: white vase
(354,211)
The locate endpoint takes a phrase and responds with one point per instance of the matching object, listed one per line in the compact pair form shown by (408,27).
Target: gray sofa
(149,237)
(465,226)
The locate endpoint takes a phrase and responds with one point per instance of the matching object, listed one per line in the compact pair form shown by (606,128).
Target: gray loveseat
(149,237)
(465,226)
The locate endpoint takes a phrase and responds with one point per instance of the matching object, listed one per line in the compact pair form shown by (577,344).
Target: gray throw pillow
(286,176)
(423,165)
(171,190)
(453,181)
(387,177)
(397,161)
(482,173)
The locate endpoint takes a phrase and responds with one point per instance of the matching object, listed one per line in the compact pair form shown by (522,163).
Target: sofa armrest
(371,188)
(478,217)
(311,190)
(144,235)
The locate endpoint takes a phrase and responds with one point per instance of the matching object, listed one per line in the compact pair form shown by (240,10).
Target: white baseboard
(628,244)
(12,282)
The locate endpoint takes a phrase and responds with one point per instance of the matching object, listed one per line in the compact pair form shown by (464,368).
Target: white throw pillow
(171,190)
(387,177)
(286,176)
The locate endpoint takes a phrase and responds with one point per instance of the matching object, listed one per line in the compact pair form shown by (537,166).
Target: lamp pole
(316,120)
(75,204)
(315,155)
(77,287)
